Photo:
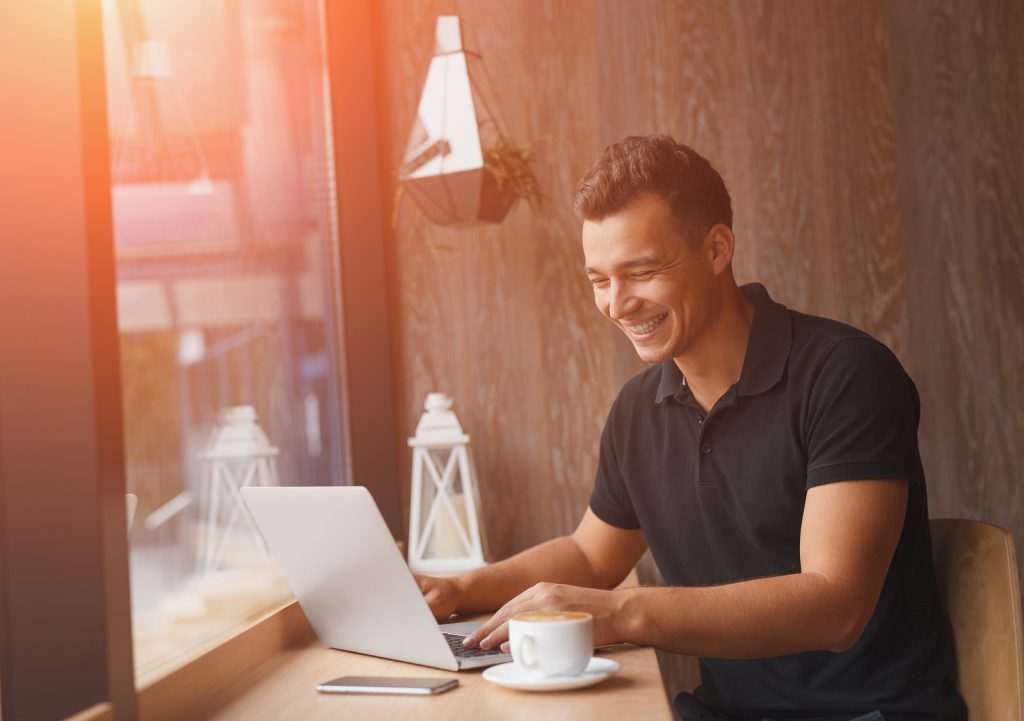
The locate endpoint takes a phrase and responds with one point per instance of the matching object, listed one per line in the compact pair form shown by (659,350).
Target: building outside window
(226,245)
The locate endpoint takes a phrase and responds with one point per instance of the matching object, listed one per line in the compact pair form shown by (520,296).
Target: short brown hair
(657,164)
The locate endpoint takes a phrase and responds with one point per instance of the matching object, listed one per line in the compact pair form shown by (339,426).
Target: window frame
(63,646)
(85,529)
(373,448)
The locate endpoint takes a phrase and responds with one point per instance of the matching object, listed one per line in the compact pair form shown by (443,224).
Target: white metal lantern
(240,454)
(444,526)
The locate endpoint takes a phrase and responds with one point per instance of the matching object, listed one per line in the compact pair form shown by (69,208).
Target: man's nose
(622,302)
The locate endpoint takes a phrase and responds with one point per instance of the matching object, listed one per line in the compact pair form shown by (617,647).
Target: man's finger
(495,637)
(489,625)
(499,617)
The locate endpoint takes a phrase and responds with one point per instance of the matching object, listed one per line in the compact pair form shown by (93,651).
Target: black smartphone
(387,685)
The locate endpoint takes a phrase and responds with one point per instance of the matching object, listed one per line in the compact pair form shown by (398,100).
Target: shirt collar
(771,334)
(767,349)
(672,380)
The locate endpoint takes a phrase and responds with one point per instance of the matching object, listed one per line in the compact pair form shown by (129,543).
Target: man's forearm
(750,619)
(558,561)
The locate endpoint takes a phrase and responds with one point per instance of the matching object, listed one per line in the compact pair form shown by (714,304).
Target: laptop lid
(347,573)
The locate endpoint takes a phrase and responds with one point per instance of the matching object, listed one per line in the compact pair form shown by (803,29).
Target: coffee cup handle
(524,652)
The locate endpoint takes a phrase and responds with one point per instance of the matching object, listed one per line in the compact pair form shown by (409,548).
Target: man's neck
(716,361)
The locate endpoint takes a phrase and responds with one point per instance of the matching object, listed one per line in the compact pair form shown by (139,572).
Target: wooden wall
(874,153)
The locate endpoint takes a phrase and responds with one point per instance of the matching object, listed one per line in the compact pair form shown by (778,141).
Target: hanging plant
(509,165)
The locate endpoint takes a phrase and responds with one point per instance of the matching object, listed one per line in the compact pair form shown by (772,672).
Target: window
(224,230)
(63,577)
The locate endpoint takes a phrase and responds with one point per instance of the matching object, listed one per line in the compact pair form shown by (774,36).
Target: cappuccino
(551,643)
(549,616)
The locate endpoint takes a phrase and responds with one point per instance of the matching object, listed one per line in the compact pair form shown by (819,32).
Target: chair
(976,571)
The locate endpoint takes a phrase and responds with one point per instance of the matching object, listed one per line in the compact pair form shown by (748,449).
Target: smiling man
(769,461)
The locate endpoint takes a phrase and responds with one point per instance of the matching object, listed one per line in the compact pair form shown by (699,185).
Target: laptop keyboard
(455,644)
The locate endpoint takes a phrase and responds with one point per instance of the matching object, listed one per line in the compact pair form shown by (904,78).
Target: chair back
(976,571)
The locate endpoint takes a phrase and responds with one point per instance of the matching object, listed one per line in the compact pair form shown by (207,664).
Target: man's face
(648,279)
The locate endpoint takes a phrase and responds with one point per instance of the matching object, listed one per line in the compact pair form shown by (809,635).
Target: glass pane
(224,232)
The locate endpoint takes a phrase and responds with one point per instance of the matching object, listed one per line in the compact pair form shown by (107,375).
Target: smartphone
(385,684)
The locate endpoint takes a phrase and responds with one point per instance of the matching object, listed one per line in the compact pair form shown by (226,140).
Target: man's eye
(643,274)
(598,281)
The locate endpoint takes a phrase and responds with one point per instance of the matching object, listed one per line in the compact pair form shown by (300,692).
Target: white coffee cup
(551,643)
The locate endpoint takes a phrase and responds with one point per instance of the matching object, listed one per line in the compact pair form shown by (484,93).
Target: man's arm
(596,555)
(848,536)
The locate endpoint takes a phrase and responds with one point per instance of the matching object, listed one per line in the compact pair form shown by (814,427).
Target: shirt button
(706,448)
(700,420)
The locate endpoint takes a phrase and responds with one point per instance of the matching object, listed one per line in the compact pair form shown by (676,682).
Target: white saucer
(510,676)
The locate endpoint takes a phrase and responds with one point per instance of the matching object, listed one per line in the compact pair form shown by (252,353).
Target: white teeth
(647,327)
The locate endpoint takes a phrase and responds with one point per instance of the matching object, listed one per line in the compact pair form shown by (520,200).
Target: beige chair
(976,570)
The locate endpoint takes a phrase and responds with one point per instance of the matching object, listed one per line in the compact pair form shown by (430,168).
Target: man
(768,459)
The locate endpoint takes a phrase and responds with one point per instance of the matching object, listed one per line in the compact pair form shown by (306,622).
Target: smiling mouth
(648,326)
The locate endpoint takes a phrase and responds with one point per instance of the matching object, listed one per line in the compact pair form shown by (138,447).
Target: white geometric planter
(444,168)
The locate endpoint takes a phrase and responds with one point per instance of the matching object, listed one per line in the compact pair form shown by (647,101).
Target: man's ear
(720,244)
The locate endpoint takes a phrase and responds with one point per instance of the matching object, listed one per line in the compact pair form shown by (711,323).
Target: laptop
(351,581)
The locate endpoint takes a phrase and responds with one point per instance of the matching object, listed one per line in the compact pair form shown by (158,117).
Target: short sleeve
(610,500)
(863,413)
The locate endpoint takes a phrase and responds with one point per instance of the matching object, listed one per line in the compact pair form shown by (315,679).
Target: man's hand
(442,595)
(604,606)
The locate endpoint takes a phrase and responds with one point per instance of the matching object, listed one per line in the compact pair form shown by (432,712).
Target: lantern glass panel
(444,539)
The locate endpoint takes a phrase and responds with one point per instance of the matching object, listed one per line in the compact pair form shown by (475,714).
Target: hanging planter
(459,166)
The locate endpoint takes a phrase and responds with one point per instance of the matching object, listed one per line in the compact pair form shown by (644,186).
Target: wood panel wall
(873,151)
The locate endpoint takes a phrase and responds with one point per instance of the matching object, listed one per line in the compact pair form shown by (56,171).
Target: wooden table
(272,672)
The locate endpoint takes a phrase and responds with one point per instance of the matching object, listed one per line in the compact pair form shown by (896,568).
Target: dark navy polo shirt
(720,498)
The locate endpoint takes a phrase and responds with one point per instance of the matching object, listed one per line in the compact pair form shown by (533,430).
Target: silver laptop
(349,577)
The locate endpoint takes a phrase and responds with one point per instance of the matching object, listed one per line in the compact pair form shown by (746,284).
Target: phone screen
(384,684)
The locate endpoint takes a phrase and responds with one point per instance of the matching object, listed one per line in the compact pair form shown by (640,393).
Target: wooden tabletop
(283,689)
(270,671)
